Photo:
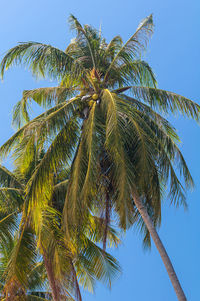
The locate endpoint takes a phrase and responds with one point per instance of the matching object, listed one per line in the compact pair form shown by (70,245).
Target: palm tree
(11,202)
(103,119)
(32,257)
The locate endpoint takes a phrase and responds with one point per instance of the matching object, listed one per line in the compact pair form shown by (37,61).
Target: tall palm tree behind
(34,259)
(123,154)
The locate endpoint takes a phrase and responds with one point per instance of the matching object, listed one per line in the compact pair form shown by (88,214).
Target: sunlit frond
(83,33)
(113,143)
(134,45)
(84,168)
(40,185)
(10,144)
(50,123)
(137,72)
(167,102)
(43,60)
(45,97)
(23,257)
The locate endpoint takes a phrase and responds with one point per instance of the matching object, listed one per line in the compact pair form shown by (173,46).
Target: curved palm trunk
(161,249)
(52,281)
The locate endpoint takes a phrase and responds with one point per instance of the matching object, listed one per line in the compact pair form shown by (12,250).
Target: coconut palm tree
(104,119)
(33,257)
(11,203)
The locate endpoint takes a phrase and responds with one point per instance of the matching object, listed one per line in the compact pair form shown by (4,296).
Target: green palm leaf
(44,97)
(133,46)
(166,102)
(43,60)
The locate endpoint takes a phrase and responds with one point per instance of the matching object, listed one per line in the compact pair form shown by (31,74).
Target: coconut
(95,96)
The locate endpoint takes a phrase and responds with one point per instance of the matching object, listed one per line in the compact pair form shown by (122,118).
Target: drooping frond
(10,199)
(137,72)
(37,279)
(90,137)
(152,115)
(113,143)
(81,184)
(51,121)
(7,227)
(43,60)
(98,264)
(40,185)
(166,102)
(45,97)
(8,179)
(23,257)
(58,254)
(39,135)
(94,230)
(162,149)
(11,143)
(114,46)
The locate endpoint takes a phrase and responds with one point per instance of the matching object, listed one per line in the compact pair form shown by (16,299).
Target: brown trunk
(52,281)
(107,220)
(161,249)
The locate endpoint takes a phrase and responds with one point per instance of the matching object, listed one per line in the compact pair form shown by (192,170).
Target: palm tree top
(89,50)
(90,64)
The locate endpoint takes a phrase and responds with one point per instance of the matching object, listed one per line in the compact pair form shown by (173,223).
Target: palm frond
(148,112)
(89,135)
(94,230)
(99,264)
(62,148)
(162,149)
(134,45)
(8,179)
(36,298)
(23,257)
(45,97)
(10,198)
(50,122)
(113,143)
(37,279)
(166,102)
(11,143)
(137,72)
(8,224)
(43,60)
(82,33)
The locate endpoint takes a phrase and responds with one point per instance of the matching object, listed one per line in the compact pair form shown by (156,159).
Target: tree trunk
(107,221)
(161,249)
(52,281)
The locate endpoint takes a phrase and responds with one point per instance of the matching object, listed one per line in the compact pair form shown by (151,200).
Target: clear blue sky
(174,56)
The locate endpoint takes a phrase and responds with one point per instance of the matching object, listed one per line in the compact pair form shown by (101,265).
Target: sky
(173,53)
